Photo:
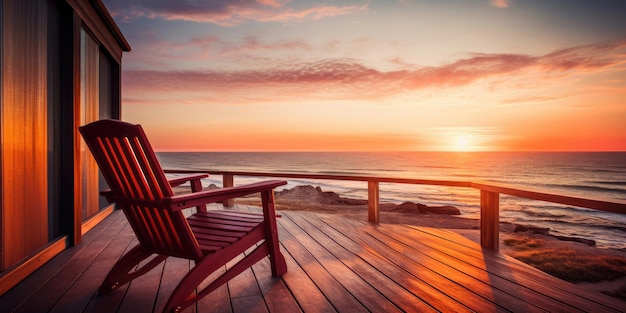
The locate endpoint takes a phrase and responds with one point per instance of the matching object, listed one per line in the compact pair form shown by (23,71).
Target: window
(97,101)
(89,111)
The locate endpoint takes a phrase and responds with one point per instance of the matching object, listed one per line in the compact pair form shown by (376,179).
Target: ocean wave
(615,183)
(620,228)
(464,175)
(585,188)
(608,170)
(545,214)
(354,173)
(375,170)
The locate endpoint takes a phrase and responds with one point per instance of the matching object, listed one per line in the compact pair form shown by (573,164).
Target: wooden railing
(489,196)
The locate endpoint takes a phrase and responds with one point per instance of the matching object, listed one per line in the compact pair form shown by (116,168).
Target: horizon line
(393,151)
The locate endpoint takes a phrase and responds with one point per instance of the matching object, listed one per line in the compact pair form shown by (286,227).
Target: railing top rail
(398,180)
(613,205)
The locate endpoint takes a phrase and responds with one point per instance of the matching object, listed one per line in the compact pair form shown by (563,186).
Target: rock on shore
(309,193)
(546,232)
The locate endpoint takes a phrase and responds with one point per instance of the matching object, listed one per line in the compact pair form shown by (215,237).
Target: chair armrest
(181,180)
(180,202)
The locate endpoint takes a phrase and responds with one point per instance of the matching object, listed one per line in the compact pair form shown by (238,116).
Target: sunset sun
(462,143)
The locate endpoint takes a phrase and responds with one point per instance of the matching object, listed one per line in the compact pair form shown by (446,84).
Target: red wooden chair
(211,238)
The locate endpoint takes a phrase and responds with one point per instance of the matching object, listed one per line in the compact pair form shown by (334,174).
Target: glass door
(89,112)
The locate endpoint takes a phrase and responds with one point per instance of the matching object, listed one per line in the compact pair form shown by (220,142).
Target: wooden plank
(505,293)
(78,296)
(426,285)
(357,288)
(367,266)
(295,292)
(217,301)
(252,304)
(334,264)
(277,296)
(332,289)
(174,270)
(453,265)
(244,291)
(24,290)
(53,289)
(500,274)
(110,302)
(308,296)
(142,291)
(537,280)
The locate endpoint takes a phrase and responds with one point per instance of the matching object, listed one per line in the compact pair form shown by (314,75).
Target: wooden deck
(335,265)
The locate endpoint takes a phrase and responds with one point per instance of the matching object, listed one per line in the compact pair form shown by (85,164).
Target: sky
(375,75)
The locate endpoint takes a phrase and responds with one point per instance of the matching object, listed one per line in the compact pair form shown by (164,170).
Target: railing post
(490,220)
(373,202)
(228,180)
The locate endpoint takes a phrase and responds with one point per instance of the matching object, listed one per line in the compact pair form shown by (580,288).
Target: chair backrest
(133,172)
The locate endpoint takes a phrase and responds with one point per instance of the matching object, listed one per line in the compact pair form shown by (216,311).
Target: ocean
(585,174)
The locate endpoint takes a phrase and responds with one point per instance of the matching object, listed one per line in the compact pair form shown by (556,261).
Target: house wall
(40,158)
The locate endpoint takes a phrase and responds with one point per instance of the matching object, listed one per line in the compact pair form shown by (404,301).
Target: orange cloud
(347,79)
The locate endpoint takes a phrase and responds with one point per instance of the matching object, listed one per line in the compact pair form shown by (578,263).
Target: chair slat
(158,185)
(153,171)
(136,177)
(119,169)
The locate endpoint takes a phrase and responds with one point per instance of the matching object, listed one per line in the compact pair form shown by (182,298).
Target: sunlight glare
(462,143)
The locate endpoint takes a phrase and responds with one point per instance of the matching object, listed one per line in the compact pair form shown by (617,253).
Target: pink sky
(376,75)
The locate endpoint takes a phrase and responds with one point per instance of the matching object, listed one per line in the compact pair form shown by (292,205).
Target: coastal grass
(566,263)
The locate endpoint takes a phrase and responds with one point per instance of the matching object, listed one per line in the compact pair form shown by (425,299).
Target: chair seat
(216,230)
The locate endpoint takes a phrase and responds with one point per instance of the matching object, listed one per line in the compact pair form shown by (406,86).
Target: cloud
(531,99)
(344,79)
(501,3)
(251,43)
(224,12)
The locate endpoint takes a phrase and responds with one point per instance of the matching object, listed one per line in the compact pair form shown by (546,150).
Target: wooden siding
(23,130)
(335,264)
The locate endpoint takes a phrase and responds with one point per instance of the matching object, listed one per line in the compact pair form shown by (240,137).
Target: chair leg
(196,186)
(277,260)
(121,273)
(184,295)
